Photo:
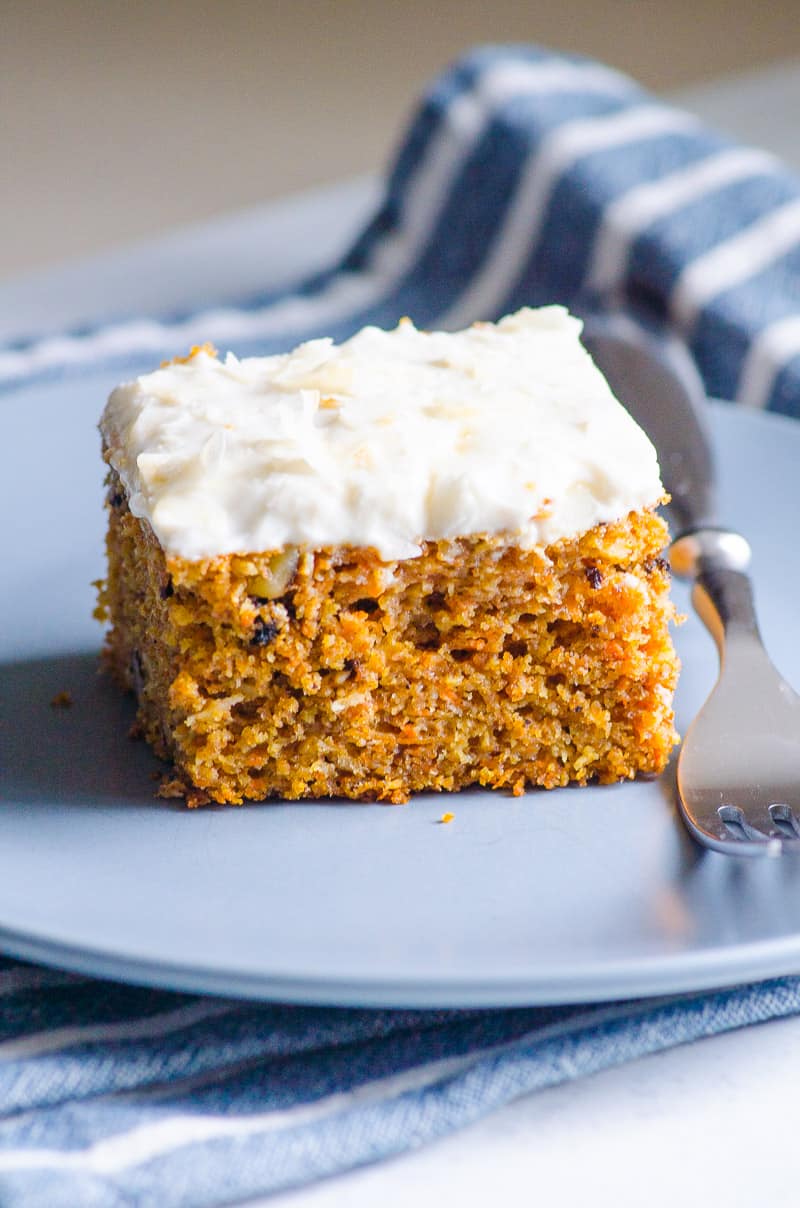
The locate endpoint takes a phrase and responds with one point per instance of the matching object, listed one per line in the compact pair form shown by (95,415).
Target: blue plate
(571,895)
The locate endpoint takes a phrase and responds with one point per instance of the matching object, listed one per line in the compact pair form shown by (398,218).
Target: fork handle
(717,559)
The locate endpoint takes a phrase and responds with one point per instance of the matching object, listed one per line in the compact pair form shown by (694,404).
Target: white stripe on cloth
(632,212)
(160,1024)
(14,981)
(145,1142)
(521,224)
(392,258)
(734,260)
(771,349)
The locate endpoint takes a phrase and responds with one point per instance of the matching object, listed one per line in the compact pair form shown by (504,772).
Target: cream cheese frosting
(387,440)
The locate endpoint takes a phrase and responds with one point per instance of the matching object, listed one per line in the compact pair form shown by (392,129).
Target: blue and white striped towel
(526,177)
(114,1096)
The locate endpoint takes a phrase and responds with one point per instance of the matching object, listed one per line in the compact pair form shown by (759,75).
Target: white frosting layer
(386,440)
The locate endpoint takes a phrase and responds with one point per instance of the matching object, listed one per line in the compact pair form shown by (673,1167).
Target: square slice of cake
(410,561)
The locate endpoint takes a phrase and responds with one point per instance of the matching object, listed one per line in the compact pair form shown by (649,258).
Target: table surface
(118,120)
(700,1123)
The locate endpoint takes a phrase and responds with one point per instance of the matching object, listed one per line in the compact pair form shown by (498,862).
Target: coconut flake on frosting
(387,440)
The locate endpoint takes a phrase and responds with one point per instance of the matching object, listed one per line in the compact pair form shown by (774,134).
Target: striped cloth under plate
(526,177)
(113,1096)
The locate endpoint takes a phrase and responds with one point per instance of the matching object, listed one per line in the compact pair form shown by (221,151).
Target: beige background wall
(120,119)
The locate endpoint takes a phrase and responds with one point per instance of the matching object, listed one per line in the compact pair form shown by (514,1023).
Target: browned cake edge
(315,673)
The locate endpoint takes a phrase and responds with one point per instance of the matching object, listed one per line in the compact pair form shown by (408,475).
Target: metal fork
(739,766)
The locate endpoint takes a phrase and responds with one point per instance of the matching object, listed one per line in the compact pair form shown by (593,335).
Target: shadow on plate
(81,753)
(77,753)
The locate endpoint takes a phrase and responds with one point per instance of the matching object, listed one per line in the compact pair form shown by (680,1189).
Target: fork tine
(776,820)
(786,820)
(770,829)
(756,825)
(720,829)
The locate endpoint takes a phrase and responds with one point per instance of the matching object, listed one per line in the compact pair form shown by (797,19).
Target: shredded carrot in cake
(337,674)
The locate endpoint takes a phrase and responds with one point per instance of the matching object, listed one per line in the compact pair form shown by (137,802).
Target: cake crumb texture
(331,672)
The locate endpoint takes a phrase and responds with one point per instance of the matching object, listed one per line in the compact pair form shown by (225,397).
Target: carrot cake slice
(415,560)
